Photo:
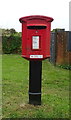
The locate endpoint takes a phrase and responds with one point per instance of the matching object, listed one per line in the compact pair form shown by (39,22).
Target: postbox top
(41,17)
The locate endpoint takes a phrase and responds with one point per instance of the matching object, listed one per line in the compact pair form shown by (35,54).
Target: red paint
(44,36)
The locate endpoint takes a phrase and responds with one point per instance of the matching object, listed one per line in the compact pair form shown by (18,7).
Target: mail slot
(36,37)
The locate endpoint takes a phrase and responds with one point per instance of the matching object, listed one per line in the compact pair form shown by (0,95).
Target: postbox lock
(36,31)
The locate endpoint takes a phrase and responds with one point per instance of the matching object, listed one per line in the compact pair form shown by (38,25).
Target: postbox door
(36,40)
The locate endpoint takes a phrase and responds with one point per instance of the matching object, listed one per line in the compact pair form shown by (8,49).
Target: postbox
(36,37)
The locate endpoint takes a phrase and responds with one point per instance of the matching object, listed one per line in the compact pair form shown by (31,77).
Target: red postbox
(36,37)
(35,47)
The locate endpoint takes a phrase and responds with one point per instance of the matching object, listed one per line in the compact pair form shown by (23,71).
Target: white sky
(12,10)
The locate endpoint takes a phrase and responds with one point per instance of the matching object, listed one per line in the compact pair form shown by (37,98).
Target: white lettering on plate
(36,56)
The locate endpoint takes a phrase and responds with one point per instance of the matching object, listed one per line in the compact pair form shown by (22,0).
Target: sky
(12,10)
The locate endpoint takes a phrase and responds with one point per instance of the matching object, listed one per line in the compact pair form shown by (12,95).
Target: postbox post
(35,77)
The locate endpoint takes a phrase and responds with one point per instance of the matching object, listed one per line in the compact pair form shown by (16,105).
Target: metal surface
(27,18)
(53,48)
(35,74)
(36,27)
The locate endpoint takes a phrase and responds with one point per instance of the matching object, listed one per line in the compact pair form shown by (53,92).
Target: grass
(0,86)
(55,90)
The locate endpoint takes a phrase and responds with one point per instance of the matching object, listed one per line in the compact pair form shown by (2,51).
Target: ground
(55,90)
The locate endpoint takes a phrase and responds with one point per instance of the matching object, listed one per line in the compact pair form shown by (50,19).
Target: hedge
(11,44)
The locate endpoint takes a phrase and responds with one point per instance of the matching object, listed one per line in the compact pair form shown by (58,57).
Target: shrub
(11,44)
(68,67)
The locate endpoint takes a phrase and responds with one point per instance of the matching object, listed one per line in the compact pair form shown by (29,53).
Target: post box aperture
(36,37)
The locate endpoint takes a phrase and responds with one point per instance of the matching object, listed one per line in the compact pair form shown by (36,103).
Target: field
(55,90)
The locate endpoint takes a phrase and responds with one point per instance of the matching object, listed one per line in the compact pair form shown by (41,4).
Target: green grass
(55,90)
(0,86)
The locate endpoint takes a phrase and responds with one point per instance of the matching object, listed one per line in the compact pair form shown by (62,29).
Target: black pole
(35,73)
